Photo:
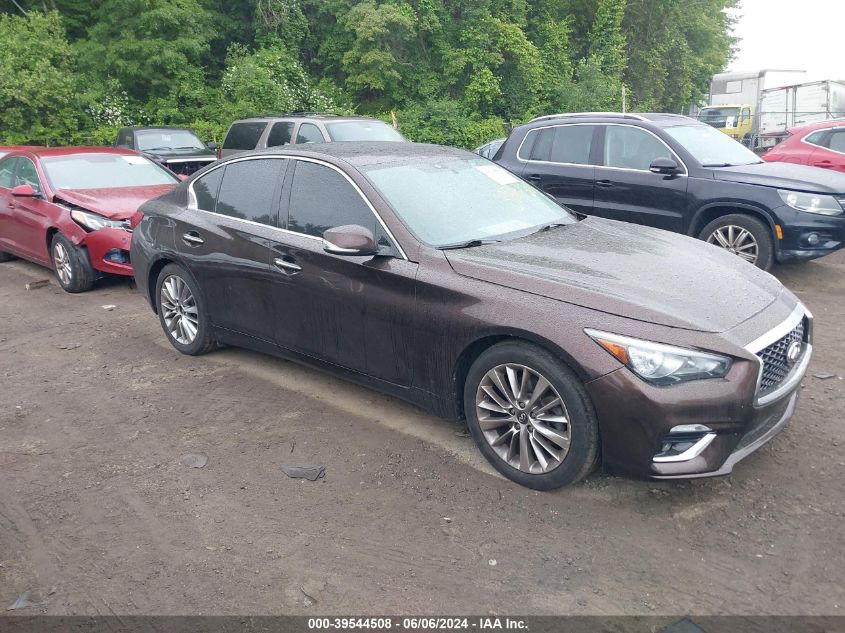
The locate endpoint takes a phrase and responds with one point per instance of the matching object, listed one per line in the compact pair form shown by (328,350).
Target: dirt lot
(99,514)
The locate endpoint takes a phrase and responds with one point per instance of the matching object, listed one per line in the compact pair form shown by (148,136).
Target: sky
(791,35)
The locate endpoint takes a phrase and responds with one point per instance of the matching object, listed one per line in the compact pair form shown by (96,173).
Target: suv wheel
(744,236)
(530,416)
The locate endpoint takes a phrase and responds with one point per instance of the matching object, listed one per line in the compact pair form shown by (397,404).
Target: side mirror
(664,166)
(24,191)
(211,145)
(349,240)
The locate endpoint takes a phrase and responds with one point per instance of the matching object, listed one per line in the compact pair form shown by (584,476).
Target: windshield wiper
(467,244)
(549,226)
(188,147)
(152,149)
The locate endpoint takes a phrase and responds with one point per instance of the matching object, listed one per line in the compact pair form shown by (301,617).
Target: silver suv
(303,127)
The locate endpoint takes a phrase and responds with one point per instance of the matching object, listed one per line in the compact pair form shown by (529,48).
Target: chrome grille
(776,366)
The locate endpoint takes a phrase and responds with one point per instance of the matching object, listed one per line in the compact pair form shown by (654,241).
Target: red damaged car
(68,208)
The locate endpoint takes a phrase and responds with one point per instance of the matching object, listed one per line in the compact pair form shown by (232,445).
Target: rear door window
(817,138)
(837,141)
(244,135)
(250,190)
(321,198)
(569,144)
(309,133)
(280,134)
(206,188)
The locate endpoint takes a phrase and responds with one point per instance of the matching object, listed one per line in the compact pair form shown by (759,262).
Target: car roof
(365,153)
(44,152)
(307,115)
(156,127)
(661,119)
(817,125)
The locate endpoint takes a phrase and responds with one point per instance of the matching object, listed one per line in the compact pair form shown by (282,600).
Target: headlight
(93,222)
(661,364)
(811,202)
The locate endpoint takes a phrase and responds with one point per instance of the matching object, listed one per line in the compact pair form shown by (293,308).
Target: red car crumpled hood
(116,203)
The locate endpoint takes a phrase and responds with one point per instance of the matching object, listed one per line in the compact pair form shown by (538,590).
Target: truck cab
(735,120)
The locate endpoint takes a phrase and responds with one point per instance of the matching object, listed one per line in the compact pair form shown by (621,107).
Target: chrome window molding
(197,159)
(192,198)
(639,171)
(824,129)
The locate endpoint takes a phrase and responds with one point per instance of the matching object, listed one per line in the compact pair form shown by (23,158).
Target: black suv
(675,173)
(275,130)
(176,148)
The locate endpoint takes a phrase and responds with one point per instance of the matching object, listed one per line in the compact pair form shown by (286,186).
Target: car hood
(116,203)
(627,270)
(784,176)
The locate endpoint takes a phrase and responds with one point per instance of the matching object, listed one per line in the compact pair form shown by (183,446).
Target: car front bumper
(725,420)
(808,236)
(108,250)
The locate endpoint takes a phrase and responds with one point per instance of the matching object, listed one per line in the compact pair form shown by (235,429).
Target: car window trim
(639,171)
(552,162)
(192,198)
(830,131)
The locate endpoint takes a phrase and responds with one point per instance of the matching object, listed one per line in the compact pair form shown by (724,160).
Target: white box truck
(793,106)
(735,100)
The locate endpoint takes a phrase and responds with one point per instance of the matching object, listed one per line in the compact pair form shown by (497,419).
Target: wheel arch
(710,212)
(478,346)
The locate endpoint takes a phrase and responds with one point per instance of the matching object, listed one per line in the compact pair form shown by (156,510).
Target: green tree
(150,47)
(38,84)
(607,42)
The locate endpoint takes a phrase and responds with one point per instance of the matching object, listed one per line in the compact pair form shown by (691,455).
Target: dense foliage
(454,71)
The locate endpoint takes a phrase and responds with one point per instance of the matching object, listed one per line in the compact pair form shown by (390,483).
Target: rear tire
(530,416)
(182,312)
(745,236)
(71,264)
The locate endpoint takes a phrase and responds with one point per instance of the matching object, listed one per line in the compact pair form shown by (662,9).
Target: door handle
(286,265)
(533,178)
(824,164)
(604,183)
(192,238)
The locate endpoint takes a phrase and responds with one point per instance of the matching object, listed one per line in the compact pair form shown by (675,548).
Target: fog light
(117,256)
(684,443)
(813,239)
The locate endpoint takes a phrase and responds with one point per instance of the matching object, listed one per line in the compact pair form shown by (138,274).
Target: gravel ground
(102,510)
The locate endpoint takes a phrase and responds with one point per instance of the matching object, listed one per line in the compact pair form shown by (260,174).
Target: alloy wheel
(61,258)
(179,310)
(736,240)
(523,418)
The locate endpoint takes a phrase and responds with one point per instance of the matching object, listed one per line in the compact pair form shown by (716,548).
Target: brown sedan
(434,275)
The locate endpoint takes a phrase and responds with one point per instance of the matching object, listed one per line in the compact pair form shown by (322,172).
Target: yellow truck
(735,120)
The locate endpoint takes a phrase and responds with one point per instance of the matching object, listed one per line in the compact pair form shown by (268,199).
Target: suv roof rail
(298,113)
(621,115)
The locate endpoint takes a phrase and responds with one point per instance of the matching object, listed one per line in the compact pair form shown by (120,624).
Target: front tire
(182,312)
(71,264)
(530,416)
(743,235)
(6,257)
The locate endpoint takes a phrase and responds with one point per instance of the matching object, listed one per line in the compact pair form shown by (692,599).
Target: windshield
(710,147)
(167,139)
(718,117)
(363,131)
(102,171)
(458,200)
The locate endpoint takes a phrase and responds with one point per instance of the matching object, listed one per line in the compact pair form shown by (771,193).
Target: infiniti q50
(434,275)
